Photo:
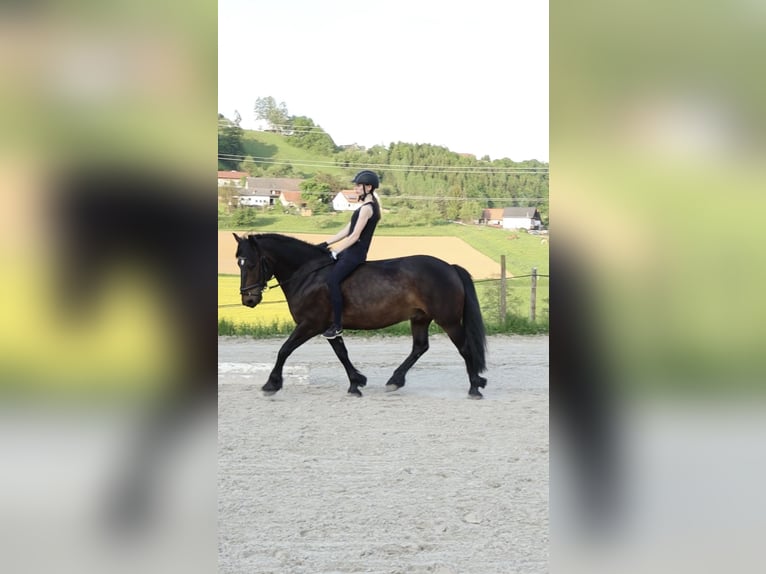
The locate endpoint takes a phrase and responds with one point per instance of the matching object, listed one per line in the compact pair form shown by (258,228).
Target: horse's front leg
(356,378)
(419,346)
(300,335)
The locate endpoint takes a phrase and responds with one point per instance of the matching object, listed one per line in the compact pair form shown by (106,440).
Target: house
(274,185)
(492,216)
(346,200)
(292,199)
(521,218)
(231,178)
(265,191)
(260,198)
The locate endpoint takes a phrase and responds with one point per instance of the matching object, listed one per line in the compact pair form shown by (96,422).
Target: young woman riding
(351,244)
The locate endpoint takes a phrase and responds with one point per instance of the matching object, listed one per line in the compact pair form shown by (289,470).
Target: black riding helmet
(367,177)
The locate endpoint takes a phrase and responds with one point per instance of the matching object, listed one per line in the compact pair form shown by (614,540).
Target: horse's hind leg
(456,334)
(356,378)
(419,346)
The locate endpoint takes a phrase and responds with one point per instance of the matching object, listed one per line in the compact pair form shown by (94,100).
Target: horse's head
(254,270)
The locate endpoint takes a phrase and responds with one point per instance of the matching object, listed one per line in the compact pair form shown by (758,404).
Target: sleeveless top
(362,246)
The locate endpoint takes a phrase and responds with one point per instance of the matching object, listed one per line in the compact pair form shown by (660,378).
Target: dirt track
(420,480)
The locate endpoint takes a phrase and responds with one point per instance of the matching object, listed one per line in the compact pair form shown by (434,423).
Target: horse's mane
(305,249)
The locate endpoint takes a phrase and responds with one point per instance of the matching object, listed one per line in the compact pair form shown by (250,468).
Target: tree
(307,135)
(453,206)
(226,195)
(245,216)
(469,211)
(317,193)
(280,170)
(276,114)
(230,148)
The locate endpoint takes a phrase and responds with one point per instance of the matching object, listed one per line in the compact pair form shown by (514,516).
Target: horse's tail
(473,323)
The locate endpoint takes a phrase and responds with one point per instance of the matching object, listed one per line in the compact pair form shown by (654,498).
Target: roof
(274,183)
(231,174)
(292,196)
(528,212)
(492,213)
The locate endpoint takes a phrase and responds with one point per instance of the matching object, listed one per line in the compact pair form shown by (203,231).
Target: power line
(488,170)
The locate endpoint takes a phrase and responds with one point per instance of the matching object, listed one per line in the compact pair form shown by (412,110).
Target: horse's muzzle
(251,299)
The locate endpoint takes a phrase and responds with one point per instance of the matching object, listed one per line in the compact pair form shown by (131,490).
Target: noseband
(263,277)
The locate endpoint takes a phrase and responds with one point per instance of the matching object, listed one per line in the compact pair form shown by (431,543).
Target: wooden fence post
(533,295)
(503,287)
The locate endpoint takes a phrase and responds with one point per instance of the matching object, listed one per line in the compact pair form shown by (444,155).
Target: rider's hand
(323,245)
(334,254)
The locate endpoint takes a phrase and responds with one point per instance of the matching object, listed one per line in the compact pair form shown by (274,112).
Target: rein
(304,274)
(261,284)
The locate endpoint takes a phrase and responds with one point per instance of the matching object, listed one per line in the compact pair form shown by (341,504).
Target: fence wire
(475,281)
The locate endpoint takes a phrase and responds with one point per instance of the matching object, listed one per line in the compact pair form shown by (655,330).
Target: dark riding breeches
(347,262)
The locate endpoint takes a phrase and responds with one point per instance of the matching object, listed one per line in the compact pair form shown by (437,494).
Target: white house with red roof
(346,200)
(232,178)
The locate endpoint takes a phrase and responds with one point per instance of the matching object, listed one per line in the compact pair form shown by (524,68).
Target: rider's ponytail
(376,199)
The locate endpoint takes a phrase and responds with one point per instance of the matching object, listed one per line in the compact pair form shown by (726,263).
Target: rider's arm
(340,235)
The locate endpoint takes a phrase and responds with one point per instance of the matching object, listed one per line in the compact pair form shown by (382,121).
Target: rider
(352,243)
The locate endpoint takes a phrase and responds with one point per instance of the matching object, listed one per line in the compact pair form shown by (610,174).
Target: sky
(469,76)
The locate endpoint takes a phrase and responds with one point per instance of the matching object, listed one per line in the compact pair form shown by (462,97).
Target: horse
(418,288)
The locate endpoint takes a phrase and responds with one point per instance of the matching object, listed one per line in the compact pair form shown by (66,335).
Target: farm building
(265,191)
(292,199)
(258,198)
(231,178)
(521,218)
(492,216)
(346,200)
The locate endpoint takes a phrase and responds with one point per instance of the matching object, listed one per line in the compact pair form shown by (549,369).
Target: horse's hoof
(475,394)
(355,392)
(269,389)
(391,387)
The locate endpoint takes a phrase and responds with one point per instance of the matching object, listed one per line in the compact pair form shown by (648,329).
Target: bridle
(263,277)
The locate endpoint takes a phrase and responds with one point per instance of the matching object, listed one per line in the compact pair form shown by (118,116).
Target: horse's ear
(237,237)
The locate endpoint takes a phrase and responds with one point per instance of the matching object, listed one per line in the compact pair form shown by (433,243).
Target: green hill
(272,153)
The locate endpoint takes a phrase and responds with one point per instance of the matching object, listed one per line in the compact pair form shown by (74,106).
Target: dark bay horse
(419,288)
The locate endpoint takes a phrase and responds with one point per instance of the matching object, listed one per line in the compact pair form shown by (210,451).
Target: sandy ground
(421,480)
(451,249)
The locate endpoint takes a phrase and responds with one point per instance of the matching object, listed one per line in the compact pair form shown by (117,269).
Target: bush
(244,216)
